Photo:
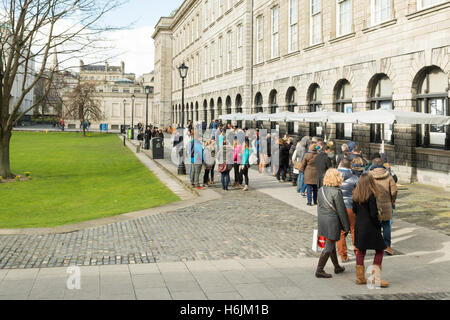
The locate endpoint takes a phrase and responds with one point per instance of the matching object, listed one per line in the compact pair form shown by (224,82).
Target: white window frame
(293,24)
(198,26)
(338,18)
(206,64)
(198,68)
(229,50)
(192,30)
(312,15)
(220,49)
(260,39)
(373,17)
(213,59)
(239,43)
(274,48)
(422,6)
(230,4)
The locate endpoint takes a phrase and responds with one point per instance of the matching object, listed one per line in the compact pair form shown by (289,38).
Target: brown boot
(334,259)
(320,273)
(360,275)
(383,283)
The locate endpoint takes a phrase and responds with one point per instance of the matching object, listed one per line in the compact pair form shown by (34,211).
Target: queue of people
(226,146)
(358,198)
(353,195)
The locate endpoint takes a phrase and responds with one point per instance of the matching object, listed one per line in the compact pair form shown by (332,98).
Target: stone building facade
(115,89)
(306,55)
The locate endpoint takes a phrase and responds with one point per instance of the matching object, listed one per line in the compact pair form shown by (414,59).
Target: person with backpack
(385,199)
(310,172)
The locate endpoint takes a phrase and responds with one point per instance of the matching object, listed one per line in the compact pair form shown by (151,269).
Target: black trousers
(244,173)
(237,176)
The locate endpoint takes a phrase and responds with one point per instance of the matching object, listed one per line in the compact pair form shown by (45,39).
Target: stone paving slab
(293,280)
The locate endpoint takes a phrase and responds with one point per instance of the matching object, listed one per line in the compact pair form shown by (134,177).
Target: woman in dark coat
(310,174)
(367,228)
(332,218)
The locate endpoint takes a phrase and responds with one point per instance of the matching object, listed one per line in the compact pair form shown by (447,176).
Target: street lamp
(183,69)
(124,129)
(132,116)
(147,133)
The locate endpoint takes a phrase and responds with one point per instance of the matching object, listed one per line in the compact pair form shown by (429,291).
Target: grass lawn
(75,179)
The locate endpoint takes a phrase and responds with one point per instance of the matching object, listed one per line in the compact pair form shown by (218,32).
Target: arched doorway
(219,106)
(196,111)
(315,104)
(205,112)
(239,108)
(228,105)
(380,88)
(259,108)
(211,108)
(291,104)
(431,88)
(343,103)
(273,106)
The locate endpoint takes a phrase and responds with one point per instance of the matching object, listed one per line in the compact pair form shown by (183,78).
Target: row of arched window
(430,89)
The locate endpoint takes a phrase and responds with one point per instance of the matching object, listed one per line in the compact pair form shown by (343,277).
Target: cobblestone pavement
(401,296)
(426,206)
(244,225)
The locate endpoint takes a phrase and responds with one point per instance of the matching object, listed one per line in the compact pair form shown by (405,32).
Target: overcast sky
(136,43)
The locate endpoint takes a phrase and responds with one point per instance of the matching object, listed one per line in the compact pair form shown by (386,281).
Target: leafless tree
(29,32)
(83,104)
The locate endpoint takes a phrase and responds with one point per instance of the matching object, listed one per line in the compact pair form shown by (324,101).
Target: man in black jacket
(323,163)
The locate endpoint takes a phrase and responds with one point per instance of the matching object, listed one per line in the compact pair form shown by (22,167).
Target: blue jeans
(312,192)
(225,179)
(387,226)
(300,179)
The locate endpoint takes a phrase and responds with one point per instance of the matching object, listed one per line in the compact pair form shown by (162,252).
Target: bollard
(124,141)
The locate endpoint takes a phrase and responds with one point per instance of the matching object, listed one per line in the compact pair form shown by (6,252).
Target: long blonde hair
(332,178)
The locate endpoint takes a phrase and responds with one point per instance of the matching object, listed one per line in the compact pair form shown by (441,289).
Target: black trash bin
(157,148)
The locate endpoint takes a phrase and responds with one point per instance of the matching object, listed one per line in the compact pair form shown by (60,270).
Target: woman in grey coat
(332,218)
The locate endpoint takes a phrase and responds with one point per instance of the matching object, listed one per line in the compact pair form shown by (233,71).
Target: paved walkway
(238,245)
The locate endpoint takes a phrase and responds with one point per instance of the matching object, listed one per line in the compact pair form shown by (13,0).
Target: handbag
(328,202)
(318,243)
(222,167)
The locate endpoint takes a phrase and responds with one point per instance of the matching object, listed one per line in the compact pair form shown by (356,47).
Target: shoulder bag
(328,202)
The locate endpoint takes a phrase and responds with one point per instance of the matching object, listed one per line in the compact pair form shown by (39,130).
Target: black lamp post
(147,133)
(132,116)
(124,128)
(183,69)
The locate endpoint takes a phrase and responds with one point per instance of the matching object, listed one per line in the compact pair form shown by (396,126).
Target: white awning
(381,116)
